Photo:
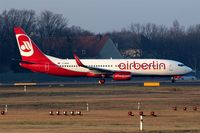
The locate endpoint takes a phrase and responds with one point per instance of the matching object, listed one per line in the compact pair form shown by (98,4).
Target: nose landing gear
(173,79)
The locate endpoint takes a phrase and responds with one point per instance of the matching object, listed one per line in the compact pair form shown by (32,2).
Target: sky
(101,16)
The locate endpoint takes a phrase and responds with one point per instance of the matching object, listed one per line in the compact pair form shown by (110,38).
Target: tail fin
(28,49)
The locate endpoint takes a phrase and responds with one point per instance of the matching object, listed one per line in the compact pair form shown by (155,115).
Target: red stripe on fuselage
(52,69)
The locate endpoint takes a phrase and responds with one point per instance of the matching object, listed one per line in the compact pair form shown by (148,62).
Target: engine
(122,76)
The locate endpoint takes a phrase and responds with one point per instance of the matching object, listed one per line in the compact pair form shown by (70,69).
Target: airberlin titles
(154,65)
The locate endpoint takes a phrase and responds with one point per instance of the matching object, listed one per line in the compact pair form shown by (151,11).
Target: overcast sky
(108,15)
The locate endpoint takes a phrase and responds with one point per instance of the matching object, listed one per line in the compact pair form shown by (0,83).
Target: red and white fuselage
(118,69)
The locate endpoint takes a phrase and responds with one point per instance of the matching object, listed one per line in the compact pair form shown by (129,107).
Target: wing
(93,69)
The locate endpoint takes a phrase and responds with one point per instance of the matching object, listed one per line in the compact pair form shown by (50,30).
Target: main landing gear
(102,81)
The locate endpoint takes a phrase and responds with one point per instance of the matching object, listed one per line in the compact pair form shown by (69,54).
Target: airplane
(117,69)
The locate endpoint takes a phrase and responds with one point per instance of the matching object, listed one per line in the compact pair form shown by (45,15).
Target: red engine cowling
(122,76)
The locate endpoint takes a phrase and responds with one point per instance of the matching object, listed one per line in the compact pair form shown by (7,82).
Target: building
(85,47)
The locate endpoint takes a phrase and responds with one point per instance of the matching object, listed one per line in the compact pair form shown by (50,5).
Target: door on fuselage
(170,68)
(46,67)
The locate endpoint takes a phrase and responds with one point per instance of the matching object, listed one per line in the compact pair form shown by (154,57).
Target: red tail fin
(28,49)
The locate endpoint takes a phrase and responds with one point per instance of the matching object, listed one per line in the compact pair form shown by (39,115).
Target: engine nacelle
(122,76)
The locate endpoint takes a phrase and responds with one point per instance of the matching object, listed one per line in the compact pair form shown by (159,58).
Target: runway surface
(95,82)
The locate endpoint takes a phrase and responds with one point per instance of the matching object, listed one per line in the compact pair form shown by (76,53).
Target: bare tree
(50,24)
(10,19)
(22,18)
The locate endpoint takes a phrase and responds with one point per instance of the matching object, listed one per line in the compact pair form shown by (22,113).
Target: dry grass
(109,104)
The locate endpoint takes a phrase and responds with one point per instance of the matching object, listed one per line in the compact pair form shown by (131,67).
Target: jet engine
(120,76)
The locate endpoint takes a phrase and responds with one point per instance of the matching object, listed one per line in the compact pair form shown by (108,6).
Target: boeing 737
(117,69)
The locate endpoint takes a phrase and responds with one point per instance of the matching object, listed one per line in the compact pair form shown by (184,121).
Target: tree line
(136,41)
(39,27)
(158,41)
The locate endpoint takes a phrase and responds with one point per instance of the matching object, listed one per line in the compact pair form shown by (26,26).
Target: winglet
(78,61)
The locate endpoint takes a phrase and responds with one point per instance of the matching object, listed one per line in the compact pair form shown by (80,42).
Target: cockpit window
(181,65)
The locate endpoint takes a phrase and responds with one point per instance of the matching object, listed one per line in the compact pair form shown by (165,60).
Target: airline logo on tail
(25,45)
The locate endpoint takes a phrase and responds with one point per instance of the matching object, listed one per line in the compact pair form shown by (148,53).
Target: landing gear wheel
(101,81)
(173,80)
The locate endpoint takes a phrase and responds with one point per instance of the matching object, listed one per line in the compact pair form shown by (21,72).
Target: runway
(126,83)
(109,82)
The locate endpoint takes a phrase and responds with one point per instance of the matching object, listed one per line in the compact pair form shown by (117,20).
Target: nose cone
(188,69)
